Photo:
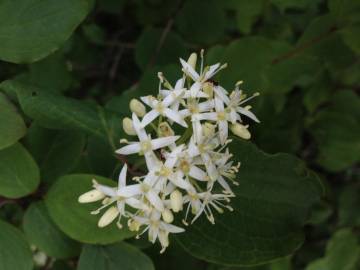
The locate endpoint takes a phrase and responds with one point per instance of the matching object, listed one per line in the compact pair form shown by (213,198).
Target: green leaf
(147,50)
(292,4)
(14,250)
(247,12)
(351,36)
(19,174)
(54,111)
(32,29)
(12,126)
(342,252)
(56,152)
(349,206)
(74,218)
(196,18)
(337,135)
(43,233)
(112,257)
(271,205)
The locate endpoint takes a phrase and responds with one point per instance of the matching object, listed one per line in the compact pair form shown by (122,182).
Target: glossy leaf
(14,250)
(74,218)
(271,205)
(42,232)
(112,257)
(12,126)
(19,174)
(32,29)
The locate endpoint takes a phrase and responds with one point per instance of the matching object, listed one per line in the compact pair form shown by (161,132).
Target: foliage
(68,70)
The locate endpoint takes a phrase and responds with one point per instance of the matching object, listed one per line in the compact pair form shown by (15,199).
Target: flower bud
(128,126)
(241,131)
(40,259)
(137,107)
(91,196)
(108,217)
(133,225)
(165,130)
(167,216)
(192,60)
(176,201)
(208,130)
(208,89)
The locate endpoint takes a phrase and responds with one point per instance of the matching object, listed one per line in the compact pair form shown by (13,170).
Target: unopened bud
(137,107)
(133,225)
(108,217)
(165,130)
(240,131)
(192,60)
(208,130)
(176,201)
(40,259)
(167,216)
(128,126)
(208,89)
(91,196)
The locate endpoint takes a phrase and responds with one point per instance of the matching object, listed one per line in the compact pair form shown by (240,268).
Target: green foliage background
(67,72)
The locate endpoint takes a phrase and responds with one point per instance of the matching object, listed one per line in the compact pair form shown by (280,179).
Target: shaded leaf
(19,174)
(74,218)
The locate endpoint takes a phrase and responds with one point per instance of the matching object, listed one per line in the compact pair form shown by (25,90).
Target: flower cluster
(191,172)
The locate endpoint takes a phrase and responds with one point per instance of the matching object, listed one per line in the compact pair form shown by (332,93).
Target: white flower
(161,108)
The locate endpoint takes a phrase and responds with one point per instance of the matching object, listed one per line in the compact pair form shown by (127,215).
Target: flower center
(146,146)
(221,116)
(184,166)
(160,108)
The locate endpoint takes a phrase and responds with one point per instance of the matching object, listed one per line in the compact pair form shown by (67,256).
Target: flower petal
(155,200)
(129,149)
(129,191)
(164,141)
(122,177)
(175,116)
(149,117)
(189,70)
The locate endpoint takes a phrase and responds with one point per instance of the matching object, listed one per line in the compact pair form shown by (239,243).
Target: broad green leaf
(19,174)
(74,218)
(344,10)
(201,21)
(247,12)
(351,36)
(349,206)
(337,135)
(56,152)
(271,206)
(14,250)
(342,252)
(317,94)
(41,231)
(54,111)
(12,126)
(292,4)
(322,39)
(112,257)
(32,29)
(148,52)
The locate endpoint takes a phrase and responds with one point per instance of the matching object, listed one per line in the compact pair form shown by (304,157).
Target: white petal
(212,116)
(210,167)
(148,100)
(197,129)
(108,191)
(175,116)
(172,158)
(189,70)
(170,99)
(179,84)
(151,160)
(129,191)
(178,180)
(223,131)
(248,114)
(150,179)
(212,71)
(134,203)
(129,149)
(155,200)
(165,93)
(171,228)
(206,106)
(140,131)
(149,117)
(219,104)
(122,177)
(197,173)
(192,148)
(221,93)
(164,141)
(224,184)
(194,90)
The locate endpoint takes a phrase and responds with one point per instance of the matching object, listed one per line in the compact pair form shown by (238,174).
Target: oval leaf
(74,218)
(271,206)
(12,126)
(118,256)
(19,174)
(14,250)
(44,234)
(32,29)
